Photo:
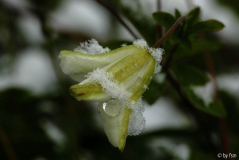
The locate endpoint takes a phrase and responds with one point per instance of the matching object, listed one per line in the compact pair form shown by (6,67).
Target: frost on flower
(91,47)
(155,52)
(110,86)
(137,120)
(141,43)
(116,79)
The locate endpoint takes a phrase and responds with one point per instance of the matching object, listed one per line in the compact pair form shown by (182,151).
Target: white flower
(116,79)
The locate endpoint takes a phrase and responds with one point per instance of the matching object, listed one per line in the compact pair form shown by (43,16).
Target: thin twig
(192,109)
(222,123)
(165,36)
(116,14)
(159,27)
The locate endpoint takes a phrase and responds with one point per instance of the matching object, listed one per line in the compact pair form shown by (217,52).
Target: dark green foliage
(193,16)
(45,5)
(177,14)
(164,19)
(214,108)
(189,75)
(23,114)
(209,25)
(233,5)
(155,90)
(198,155)
(198,47)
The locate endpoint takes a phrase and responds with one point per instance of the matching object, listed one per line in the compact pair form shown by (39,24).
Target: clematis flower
(116,79)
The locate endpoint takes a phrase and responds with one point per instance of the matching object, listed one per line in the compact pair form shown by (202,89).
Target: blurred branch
(7,146)
(116,14)
(192,109)
(222,123)
(159,27)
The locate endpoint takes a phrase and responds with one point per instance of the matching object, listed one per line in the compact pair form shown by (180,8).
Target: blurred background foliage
(192,106)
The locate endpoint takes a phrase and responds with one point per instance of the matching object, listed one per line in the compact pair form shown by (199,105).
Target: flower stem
(160,41)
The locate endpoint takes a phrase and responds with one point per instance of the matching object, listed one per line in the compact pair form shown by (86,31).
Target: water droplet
(112,107)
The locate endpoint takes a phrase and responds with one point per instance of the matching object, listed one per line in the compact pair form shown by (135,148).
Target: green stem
(161,40)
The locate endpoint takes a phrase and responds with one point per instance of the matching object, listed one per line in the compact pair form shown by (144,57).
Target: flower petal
(115,127)
(110,79)
(75,63)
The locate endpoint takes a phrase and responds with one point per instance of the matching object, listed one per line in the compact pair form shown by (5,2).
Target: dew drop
(112,107)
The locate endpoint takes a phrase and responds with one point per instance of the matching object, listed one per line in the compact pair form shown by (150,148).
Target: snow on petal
(91,47)
(155,52)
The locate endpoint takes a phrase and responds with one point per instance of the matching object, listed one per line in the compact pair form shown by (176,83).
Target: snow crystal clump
(92,48)
(111,86)
(141,43)
(155,52)
(123,45)
(136,120)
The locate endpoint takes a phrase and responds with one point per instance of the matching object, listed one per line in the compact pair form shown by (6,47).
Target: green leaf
(189,75)
(164,19)
(177,14)
(193,16)
(214,108)
(209,25)
(155,91)
(198,46)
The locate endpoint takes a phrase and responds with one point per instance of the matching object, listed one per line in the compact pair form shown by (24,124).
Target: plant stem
(116,14)
(165,36)
(192,110)
(222,123)
(159,27)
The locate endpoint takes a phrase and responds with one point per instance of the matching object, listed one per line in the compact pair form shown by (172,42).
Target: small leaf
(198,47)
(209,25)
(215,108)
(164,19)
(177,14)
(193,16)
(189,75)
